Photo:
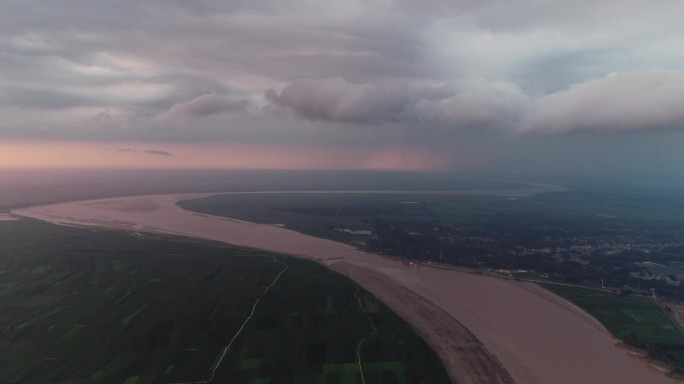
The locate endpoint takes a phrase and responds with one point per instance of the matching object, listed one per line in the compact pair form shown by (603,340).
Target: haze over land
(488,98)
(485,86)
(31,187)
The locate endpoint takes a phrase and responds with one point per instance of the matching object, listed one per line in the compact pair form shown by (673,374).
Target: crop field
(316,214)
(638,320)
(84,306)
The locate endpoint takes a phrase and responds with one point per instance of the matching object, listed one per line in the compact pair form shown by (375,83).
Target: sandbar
(485,329)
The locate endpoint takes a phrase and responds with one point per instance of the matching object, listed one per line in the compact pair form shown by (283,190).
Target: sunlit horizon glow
(90,155)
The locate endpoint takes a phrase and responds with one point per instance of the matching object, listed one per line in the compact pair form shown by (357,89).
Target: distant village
(617,259)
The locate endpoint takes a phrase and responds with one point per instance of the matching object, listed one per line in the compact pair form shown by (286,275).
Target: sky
(436,85)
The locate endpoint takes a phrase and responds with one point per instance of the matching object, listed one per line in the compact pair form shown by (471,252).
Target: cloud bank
(451,75)
(641,100)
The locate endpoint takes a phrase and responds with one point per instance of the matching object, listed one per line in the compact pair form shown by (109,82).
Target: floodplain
(98,306)
(534,335)
(621,247)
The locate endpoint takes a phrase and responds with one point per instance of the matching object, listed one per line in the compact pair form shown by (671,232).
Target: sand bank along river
(486,330)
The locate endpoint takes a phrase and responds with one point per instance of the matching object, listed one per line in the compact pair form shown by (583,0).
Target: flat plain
(96,306)
(536,336)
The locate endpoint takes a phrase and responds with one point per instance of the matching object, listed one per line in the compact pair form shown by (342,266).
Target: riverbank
(515,327)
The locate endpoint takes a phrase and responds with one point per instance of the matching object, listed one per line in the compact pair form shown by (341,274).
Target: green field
(530,220)
(83,306)
(316,214)
(578,237)
(636,320)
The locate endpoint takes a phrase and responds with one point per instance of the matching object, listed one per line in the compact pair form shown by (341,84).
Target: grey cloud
(175,39)
(474,105)
(207,105)
(157,152)
(627,101)
(336,99)
(470,103)
(257,45)
(127,150)
(42,98)
(458,75)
